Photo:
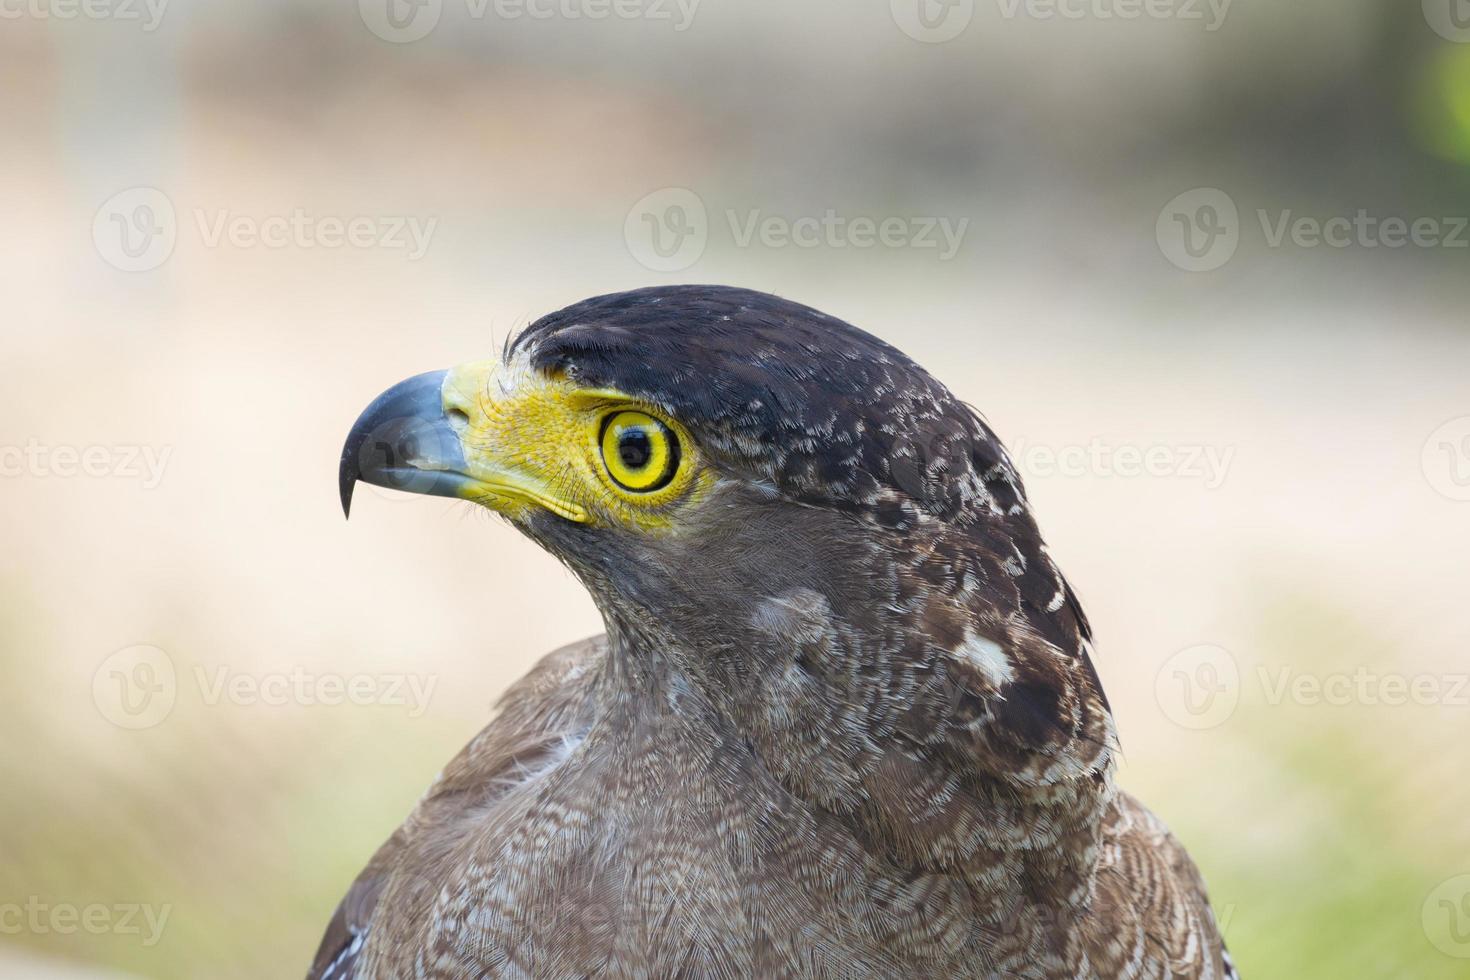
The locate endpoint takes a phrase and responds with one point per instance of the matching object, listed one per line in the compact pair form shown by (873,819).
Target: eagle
(843,721)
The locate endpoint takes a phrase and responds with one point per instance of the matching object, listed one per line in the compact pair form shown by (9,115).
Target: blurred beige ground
(1299,517)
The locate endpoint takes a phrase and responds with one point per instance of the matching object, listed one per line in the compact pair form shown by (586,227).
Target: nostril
(458,419)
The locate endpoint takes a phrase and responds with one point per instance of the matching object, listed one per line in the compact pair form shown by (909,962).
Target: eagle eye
(641,454)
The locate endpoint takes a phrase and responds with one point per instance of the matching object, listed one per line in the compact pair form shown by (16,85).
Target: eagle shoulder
(537,715)
(1151,909)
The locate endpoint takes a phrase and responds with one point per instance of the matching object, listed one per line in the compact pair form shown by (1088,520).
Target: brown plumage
(843,722)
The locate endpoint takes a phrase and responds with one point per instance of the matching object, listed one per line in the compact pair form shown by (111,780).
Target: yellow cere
(594,456)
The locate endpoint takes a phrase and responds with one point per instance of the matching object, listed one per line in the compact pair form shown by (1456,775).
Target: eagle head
(794,533)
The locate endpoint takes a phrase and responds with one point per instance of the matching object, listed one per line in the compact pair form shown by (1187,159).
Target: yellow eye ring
(641,454)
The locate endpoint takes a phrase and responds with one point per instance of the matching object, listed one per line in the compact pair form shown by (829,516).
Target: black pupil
(634,448)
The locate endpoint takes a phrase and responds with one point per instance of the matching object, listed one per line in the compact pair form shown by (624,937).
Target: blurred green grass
(1323,863)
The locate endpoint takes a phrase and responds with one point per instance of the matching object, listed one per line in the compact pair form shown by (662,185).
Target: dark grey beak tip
(403,426)
(345,482)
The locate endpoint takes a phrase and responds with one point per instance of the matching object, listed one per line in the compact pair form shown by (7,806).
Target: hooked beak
(404,441)
(414,437)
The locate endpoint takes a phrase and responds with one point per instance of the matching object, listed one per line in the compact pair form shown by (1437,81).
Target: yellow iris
(640,452)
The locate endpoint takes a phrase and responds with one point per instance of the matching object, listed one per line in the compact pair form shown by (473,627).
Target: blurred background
(1202,264)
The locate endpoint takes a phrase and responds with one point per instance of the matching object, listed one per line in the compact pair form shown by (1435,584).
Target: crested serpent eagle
(843,721)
